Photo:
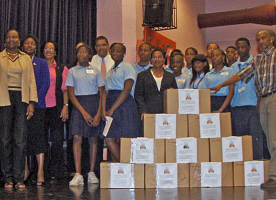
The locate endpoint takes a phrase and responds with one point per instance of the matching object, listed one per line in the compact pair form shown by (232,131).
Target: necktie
(103,69)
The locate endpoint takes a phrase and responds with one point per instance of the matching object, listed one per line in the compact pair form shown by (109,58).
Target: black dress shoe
(270,183)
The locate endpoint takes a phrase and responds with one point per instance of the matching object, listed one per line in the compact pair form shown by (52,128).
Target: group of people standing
(36,94)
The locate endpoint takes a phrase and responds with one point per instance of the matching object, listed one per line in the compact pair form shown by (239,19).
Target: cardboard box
(125,152)
(226,178)
(182,175)
(138,173)
(181,126)
(239,172)
(225,125)
(171,101)
(202,150)
(216,149)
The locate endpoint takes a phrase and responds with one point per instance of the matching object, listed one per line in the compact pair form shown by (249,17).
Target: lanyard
(197,83)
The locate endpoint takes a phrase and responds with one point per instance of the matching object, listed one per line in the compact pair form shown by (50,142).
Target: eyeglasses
(157,58)
(49,49)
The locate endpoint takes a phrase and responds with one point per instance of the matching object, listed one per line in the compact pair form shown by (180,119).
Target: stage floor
(61,190)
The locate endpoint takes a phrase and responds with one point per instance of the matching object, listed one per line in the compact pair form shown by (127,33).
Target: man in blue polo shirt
(245,117)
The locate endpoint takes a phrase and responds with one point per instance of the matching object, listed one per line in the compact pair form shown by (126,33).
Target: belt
(267,94)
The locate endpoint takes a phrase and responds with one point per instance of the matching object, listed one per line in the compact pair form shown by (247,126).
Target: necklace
(157,75)
(12,54)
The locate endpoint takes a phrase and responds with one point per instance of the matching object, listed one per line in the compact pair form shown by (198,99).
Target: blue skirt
(126,120)
(78,125)
(217,101)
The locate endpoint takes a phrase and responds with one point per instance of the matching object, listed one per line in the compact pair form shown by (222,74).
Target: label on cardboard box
(142,151)
(166,175)
(165,126)
(121,175)
(211,174)
(188,101)
(209,125)
(232,149)
(186,150)
(253,173)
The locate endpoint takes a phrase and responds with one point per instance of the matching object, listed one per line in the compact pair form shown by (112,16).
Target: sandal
(40,183)
(20,185)
(8,185)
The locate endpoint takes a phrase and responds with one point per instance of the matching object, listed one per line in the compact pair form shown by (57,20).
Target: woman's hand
(96,120)
(64,113)
(103,115)
(89,120)
(30,111)
(109,112)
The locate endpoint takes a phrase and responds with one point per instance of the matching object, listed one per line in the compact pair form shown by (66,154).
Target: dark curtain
(66,22)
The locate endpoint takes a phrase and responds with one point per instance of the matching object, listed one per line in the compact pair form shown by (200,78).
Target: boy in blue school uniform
(245,117)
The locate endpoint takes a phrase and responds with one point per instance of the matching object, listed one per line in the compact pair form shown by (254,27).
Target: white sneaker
(92,178)
(77,180)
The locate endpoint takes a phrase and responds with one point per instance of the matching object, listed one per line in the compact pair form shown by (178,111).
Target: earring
(5,45)
(18,45)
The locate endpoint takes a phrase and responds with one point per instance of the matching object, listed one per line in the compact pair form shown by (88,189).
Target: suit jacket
(28,85)
(148,98)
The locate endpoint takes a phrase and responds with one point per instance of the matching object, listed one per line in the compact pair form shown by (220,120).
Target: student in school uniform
(221,101)
(85,86)
(176,65)
(118,103)
(144,52)
(190,53)
(200,69)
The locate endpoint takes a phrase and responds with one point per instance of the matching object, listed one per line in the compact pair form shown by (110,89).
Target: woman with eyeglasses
(151,84)
(118,102)
(56,111)
(36,140)
(18,96)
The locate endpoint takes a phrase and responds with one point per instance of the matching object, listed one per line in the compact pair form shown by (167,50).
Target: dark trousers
(246,121)
(54,129)
(13,135)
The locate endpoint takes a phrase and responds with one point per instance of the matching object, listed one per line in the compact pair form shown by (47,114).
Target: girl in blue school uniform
(220,73)
(118,102)
(85,88)
(200,67)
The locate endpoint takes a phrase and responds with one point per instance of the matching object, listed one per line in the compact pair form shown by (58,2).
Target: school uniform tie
(103,69)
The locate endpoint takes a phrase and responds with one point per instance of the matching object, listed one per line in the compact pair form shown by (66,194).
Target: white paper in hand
(107,125)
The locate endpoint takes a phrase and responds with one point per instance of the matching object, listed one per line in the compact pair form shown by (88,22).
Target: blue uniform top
(245,94)
(140,68)
(188,72)
(42,78)
(116,78)
(212,79)
(85,80)
(168,69)
(198,82)
(182,81)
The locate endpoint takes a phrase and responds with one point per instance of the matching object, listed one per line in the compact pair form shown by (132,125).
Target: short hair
(163,53)
(271,33)
(124,47)
(193,49)
(145,43)
(89,48)
(9,31)
(177,51)
(27,37)
(242,39)
(212,43)
(230,47)
(182,58)
(44,44)
(101,38)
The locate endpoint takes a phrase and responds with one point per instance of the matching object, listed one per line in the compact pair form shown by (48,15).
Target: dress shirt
(97,61)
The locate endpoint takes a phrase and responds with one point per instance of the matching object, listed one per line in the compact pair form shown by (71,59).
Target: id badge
(241,89)
(181,81)
(225,73)
(90,71)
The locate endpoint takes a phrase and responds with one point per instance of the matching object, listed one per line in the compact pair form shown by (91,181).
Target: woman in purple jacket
(36,140)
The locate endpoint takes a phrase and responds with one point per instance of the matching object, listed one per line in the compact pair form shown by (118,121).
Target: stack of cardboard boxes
(187,147)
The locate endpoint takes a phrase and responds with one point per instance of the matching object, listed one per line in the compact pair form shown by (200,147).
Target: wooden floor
(61,191)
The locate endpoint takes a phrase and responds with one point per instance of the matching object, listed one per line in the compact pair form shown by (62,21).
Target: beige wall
(226,35)
(187,33)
